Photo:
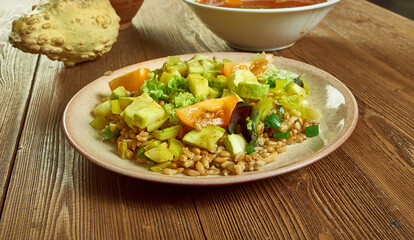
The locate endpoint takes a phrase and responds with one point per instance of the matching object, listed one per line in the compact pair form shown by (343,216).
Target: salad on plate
(205,116)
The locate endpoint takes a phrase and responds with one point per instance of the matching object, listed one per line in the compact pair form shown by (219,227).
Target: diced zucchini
(99,122)
(102,109)
(167,133)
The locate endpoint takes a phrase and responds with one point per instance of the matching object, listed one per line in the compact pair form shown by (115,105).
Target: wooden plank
(16,76)
(388,130)
(359,198)
(55,193)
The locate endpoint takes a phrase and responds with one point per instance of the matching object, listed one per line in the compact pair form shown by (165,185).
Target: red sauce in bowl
(260,4)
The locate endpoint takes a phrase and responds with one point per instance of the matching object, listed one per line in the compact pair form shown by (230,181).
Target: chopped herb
(108,134)
(282,135)
(273,121)
(250,148)
(312,131)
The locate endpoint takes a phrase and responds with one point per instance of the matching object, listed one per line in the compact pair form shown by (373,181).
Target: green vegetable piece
(198,85)
(176,147)
(250,148)
(108,134)
(294,88)
(206,138)
(154,126)
(239,76)
(122,149)
(235,143)
(166,76)
(143,112)
(167,133)
(99,123)
(211,66)
(116,107)
(195,67)
(102,109)
(160,153)
(213,93)
(252,90)
(160,166)
(141,151)
(227,92)
(312,131)
(152,144)
(273,121)
(119,92)
(264,106)
(175,65)
(125,101)
(282,135)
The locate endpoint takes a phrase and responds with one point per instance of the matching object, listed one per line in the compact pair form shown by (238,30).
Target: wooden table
(363,190)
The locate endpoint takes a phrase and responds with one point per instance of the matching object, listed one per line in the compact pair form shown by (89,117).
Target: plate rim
(337,141)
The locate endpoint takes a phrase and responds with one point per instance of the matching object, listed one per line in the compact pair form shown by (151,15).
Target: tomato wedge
(257,66)
(131,81)
(210,112)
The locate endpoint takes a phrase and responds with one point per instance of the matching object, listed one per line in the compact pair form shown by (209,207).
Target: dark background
(402,7)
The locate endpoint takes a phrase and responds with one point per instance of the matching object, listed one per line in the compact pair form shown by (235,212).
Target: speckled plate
(331,96)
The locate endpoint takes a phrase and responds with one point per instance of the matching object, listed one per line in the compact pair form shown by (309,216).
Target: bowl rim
(273,10)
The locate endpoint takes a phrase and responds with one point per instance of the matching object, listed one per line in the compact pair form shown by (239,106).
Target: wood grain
(363,190)
(17,70)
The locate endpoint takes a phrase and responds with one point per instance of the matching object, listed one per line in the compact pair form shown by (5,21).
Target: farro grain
(297,125)
(169,171)
(225,172)
(200,168)
(188,163)
(205,162)
(196,151)
(239,168)
(204,152)
(269,148)
(251,165)
(143,134)
(220,159)
(224,154)
(285,125)
(183,158)
(141,139)
(197,157)
(197,126)
(188,153)
(191,172)
(214,171)
(180,170)
(129,155)
(271,157)
(282,149)
(260,129)
(225,164)
(258,165)
(239,156)
(173,165)
(247,158)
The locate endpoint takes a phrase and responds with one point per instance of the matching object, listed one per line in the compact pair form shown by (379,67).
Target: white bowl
(261,29)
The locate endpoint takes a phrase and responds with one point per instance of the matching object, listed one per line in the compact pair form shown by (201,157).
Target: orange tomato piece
(210,112)
(230,67)
(130,81)
(257,66)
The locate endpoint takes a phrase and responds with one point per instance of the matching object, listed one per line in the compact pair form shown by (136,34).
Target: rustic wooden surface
(363,190)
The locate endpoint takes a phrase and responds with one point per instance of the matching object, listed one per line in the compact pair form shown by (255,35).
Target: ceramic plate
(332,97)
